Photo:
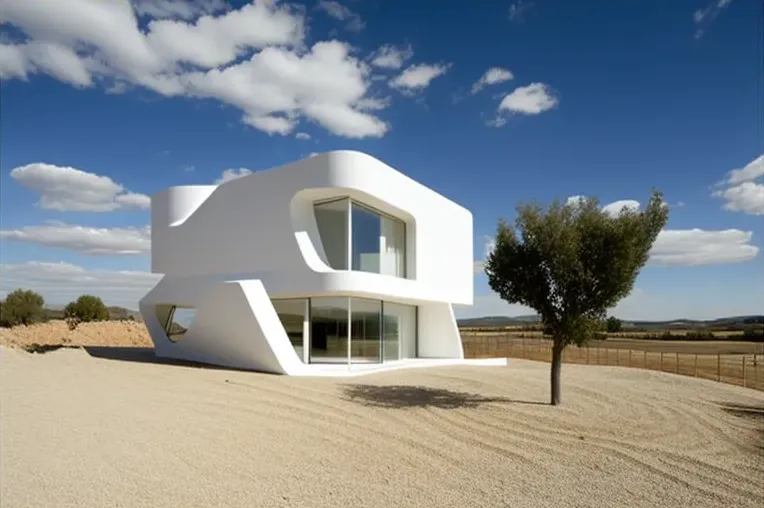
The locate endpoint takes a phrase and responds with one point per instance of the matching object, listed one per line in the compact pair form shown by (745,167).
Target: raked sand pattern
(82,430)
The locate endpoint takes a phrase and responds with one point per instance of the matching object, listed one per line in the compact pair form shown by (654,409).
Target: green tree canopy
(22,307)
(613,324)
(572,262)
(87,308)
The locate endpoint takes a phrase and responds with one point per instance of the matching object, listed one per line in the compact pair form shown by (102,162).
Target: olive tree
(22,307)
(86,308)
(570,263)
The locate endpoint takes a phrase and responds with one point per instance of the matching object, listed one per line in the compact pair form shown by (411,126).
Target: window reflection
(376,241)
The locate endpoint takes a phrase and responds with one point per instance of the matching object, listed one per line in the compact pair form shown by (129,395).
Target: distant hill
(115,313)
(727,323)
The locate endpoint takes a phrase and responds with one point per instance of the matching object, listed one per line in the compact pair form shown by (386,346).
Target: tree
(22,307)
(570,263)
(613,324)
(85,309)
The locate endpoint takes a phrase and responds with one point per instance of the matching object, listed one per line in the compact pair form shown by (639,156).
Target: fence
(744,369)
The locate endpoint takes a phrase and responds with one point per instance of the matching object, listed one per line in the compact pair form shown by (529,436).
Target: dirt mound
(54,333)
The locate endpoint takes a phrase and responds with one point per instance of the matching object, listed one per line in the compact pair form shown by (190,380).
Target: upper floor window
(358,237)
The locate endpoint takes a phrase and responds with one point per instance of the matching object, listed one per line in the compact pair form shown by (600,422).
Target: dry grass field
(739,363)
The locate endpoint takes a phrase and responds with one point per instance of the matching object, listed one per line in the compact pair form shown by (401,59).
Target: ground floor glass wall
(355,330)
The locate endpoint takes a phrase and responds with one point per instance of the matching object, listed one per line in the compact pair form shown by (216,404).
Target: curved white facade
(248,254)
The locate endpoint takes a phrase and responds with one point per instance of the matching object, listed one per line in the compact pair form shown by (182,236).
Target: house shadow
(402,397)
(146,355)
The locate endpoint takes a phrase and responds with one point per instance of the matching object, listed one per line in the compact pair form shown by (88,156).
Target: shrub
(613,325)
(22,307)
(85,309)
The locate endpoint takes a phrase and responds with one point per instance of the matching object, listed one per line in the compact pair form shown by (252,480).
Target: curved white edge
(265,223)
(235,326)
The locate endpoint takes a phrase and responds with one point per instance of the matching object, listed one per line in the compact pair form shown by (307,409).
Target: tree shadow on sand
(401,397)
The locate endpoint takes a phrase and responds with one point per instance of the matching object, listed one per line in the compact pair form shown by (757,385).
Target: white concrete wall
(262,226)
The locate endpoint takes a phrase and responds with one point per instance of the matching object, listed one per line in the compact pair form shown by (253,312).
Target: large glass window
(294,317)
(365,330)
(366,229)
(375,242)
(392,246)
(333,227)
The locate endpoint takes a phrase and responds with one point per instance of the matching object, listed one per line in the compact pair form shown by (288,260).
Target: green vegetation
(85,309)
(22,307)
(571,263)
(25,307)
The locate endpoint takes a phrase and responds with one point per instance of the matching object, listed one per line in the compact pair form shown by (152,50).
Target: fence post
(718,367)
(598,355)
(629,357)
(644,359)
(588,350)
(676,366)
(744,372)
(661,361)
(696,364)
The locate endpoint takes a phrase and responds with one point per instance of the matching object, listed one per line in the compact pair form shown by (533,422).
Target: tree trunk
(556,367)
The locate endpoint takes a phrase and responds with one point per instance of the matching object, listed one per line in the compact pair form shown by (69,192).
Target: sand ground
(81,428)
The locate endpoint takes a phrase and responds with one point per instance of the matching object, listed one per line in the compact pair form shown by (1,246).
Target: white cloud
(276,86)
(60,283)
(338,11)
(183,9)
(302,135)
(232,174)
(87,240)
(529,100)
(703,18)
(752,171)
(518,10)
(391,57)
(689,247)
(741,191)
(252,58)
(418,77)
(213,41)
(492,76)
(616,207)
(68,189)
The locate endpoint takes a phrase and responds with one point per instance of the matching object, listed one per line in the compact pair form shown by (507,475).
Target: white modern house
(334,264)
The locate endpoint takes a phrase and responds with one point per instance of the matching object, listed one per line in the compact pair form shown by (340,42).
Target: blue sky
(489,103)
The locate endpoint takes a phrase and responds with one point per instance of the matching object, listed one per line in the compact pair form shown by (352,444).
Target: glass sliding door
(329,330)
(365,330)
(333,221)
(293,314)
(400,331)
